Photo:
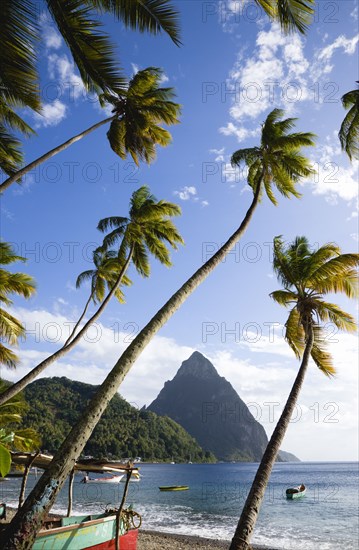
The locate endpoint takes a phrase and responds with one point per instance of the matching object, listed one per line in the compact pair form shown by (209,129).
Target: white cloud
(186,193)
(333,180)
(51,114)
(135,68)
(278,74)
(62,70)
(52,38)
(219,154)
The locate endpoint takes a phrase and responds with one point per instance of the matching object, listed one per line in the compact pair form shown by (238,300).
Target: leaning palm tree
(306,276)
(135,125)
(146,231)
(292,15)
(104,276)
(21,284)
(349,130)
(79,25)
(277,145)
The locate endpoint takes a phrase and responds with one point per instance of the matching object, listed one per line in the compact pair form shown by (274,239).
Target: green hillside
(124,431)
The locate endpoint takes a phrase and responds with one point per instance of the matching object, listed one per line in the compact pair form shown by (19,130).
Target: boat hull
(295,492)
(78,534)
(174,488)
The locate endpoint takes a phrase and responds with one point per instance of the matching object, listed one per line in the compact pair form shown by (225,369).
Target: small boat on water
(174,488)
(109,479)
(296,492)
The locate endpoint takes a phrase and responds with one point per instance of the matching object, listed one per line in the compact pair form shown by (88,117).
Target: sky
(233,68)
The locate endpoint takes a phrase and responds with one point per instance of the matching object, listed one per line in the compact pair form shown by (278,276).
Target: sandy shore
(153,540)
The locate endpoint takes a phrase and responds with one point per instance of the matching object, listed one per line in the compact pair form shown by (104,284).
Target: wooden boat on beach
(174,488)
(114,529)
(109,479)
(296,492)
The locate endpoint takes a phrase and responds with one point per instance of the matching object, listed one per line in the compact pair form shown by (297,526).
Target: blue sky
(233,68)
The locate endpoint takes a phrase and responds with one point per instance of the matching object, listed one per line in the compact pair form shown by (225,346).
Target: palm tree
(306,277)
(349,130)
(21,284)
(138,112)
(12,437)
(78,22)
(292,15)
(104,275)
(276,145)
(146,230)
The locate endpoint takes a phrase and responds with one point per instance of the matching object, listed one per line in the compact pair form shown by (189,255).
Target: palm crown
(306,276)
(146,230)
(105,274)
(277,160)
(138,111)
(349,130)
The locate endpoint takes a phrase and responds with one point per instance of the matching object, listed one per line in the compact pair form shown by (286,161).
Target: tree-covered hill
(124,431)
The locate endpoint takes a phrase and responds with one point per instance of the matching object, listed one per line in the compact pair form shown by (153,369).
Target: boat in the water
(114,529)
(296,492)
(174,488)
(109,479)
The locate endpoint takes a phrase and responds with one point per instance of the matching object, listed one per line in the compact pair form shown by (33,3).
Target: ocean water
(325,519)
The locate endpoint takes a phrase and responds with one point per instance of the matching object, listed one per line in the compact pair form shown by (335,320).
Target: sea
(326,518)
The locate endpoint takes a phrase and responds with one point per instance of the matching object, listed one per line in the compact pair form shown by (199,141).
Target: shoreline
(159,540)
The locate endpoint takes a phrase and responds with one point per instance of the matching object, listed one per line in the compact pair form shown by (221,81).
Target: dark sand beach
(153,540)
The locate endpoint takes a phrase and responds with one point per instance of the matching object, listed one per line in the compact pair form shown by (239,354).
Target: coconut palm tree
(21,284)
(103,276)
(146,231)
(349,130)
(11,436)
(135,125)
(292,15)
(306,276)
(78,23)
(277,145)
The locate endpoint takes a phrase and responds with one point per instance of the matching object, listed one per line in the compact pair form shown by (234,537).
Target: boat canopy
(39,460)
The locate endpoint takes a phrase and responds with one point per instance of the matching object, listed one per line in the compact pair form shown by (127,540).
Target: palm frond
(294,333)
(294,15)
(10,328)
(8,357)
(153,16)
(319,353)
(349,130)
(19,34)
(91,49)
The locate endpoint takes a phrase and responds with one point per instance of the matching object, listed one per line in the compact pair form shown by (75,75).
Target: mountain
(123,431)
(209,409)
(287,457)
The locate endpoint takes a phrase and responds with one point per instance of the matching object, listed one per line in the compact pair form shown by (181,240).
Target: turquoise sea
(325,519)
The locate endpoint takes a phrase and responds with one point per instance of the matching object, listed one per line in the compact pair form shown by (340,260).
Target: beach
(154,540)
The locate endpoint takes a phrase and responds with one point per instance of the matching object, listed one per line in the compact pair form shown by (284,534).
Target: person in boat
(85,479)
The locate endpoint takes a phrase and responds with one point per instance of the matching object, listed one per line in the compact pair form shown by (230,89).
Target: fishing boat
(114,529)
(109,479)
(174,488)
(296,492)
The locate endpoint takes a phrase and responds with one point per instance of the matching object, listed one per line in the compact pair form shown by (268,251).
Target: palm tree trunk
(23,529)
(30,376)
(52,153)
(247,521)
(79,320)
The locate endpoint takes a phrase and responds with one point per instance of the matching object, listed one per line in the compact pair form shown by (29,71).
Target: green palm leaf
(144,15)
(91,49)
(349,130)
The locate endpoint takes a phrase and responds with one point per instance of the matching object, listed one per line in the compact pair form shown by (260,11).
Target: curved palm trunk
(24,527)
(52,153)
(79,320)
(253,503)
(21,384)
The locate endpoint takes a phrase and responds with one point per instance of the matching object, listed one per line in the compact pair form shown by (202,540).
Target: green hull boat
(174,488)
(296,492)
